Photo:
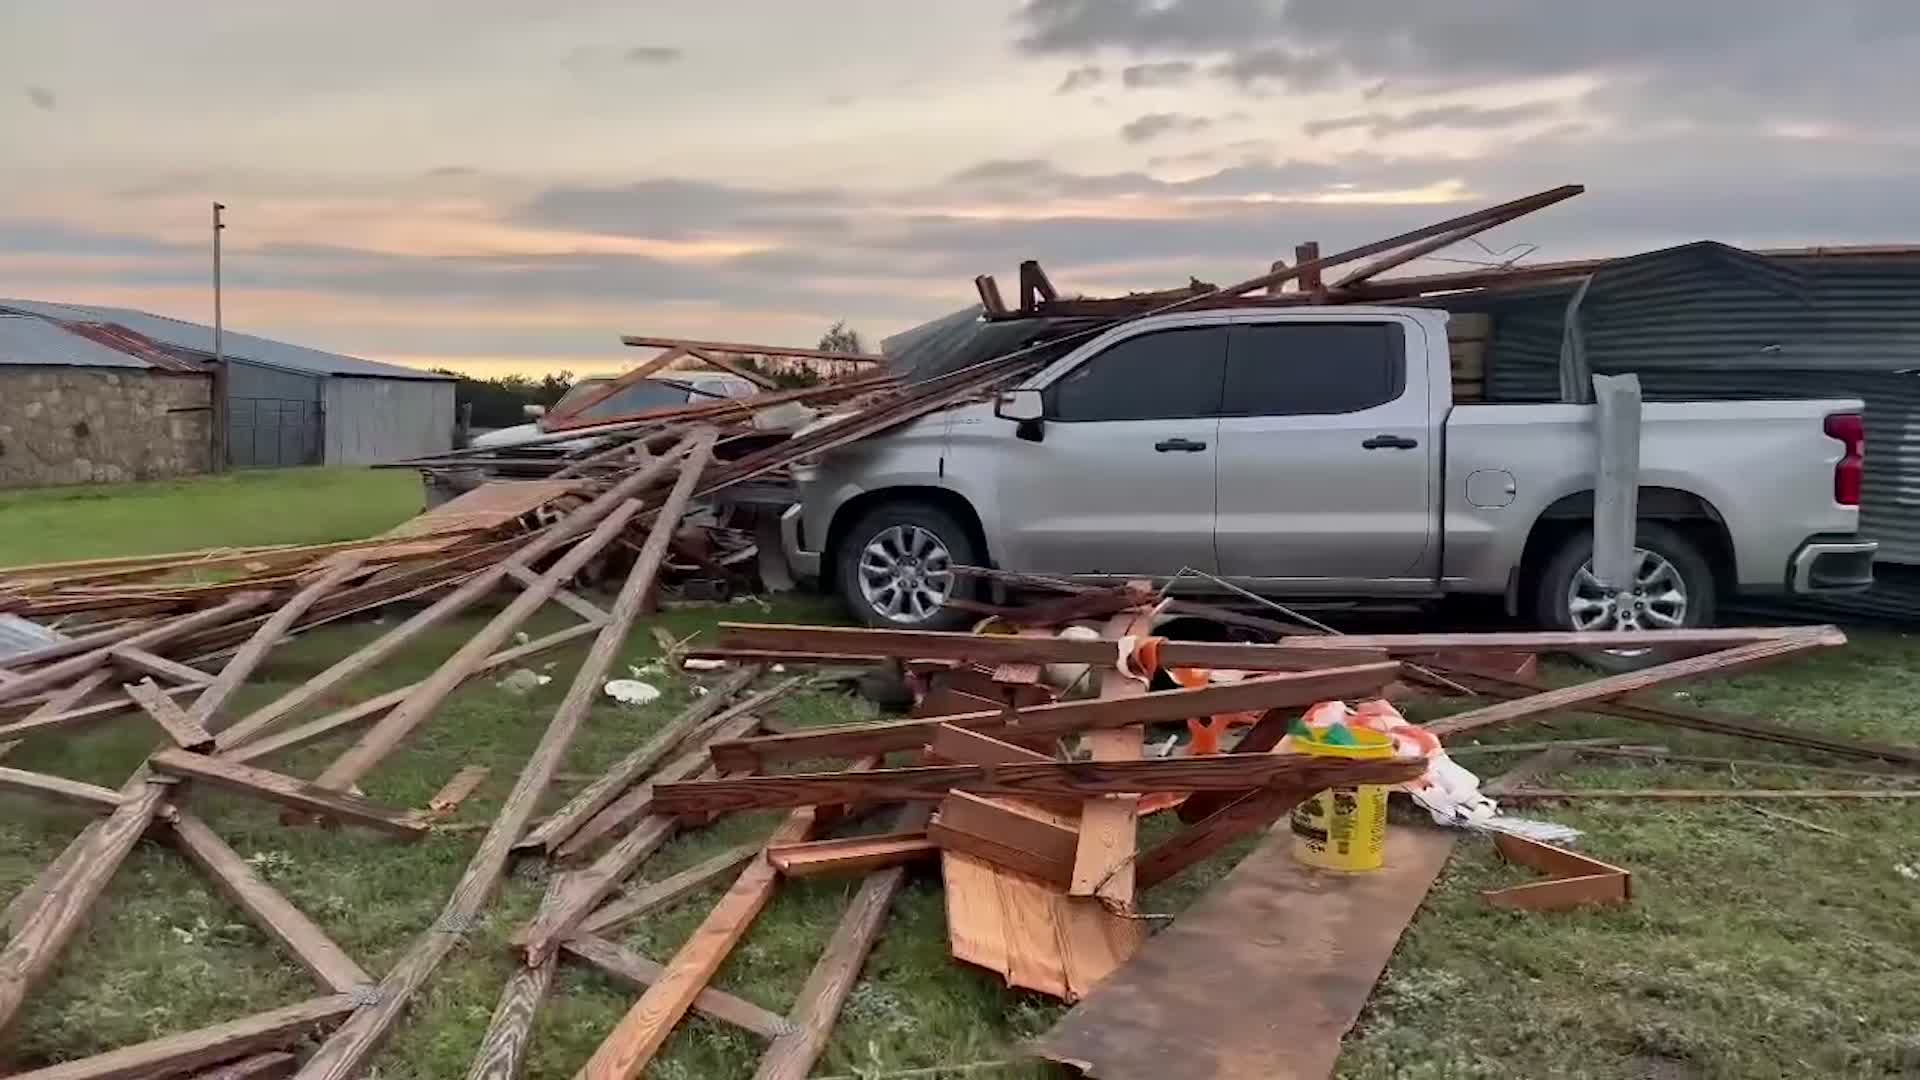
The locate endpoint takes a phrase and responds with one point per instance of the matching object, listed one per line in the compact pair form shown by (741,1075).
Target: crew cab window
(1301,369)
(1166,375)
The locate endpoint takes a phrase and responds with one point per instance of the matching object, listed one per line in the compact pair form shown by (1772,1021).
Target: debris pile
(1032,756)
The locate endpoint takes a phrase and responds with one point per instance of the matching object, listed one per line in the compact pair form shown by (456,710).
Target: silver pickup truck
(1317,452)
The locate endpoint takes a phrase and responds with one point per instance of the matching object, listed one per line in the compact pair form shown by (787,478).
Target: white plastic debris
(695,663)
(632,692)
(520,637)
(524,681)
(1911,873)
(1543,832)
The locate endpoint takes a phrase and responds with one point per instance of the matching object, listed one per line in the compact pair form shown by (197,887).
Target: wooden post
(1616,491)
(1306,256)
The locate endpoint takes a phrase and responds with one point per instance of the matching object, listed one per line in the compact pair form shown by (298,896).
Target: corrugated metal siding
(369,421)
(245,380)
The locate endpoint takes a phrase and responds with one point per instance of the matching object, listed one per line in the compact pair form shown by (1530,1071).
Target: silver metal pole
(217,390)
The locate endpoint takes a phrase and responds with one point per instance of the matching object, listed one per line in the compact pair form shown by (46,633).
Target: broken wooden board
(1573,880)
(850,855)
(1261,978)
(1031,933)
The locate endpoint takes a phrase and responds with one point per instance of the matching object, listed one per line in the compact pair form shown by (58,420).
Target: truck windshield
(645,394)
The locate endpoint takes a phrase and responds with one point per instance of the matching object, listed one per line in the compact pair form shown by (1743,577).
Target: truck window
(1167,375)
(1299,369)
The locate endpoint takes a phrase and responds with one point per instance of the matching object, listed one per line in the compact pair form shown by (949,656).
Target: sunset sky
(503,186)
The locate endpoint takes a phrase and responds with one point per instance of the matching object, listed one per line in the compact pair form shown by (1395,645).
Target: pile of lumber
(1027,794)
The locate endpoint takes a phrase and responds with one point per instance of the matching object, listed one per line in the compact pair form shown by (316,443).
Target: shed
(291,405)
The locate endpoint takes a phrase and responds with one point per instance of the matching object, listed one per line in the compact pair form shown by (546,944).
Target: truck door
(1325,453)
(1121,480)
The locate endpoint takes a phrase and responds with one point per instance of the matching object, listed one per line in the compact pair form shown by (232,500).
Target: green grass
(1753,947)
(239,509)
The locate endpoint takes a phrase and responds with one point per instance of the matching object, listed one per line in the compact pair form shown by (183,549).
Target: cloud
(1154,125)
(672,208)
(1163,73)
(654,54)
(42,98)
(1462,117)
(1080,78)
(447,172)
(1294,68)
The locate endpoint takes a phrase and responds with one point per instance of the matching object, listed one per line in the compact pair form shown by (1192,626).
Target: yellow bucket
(1344,828)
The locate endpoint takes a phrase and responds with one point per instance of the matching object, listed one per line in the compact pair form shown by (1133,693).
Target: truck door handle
(1390,442)
(1186,445)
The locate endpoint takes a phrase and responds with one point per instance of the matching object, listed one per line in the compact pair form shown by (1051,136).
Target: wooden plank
(264,904)
(593,798)
(792,1056)
(208,1046)
(272,1065)
(588,888)
(1033,937)
(59,788)
(182,728)
(236,671)
(1044,722)
(1725,662)
(288,791)
(993,649)
(1561,894)
(1248,814)
(502,1054)
(142,662)
(851,855)
(1103,860)
(995,854)
(716,360)
(62,672)
(1080,779)
(1295,987)
(976,924)
(644,1029)
(45,928)
(344,1056)
(477,587)
(455,791)
(390,730)
(1016,824)
(659,894)
(1698,639)
(1526,794)
(566,598)
(748,349)
(1262,737)
(641,973)
(962,746)
(341,719)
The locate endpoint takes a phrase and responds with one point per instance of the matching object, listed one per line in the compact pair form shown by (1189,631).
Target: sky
(498,186)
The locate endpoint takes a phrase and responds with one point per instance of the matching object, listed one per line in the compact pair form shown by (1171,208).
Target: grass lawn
(237,509)
(1754,947)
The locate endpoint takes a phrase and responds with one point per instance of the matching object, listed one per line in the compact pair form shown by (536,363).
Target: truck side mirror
(533,412)
(1021,405)
(1025,409)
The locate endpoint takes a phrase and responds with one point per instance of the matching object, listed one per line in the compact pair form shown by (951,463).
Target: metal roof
(197,339)
(30,341)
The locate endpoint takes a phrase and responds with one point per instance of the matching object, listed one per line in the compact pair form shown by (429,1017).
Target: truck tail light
(1851,430)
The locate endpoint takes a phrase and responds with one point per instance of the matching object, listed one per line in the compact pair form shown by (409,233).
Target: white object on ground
(524,681)
(1063,676)
(695,663)
(632,692)
(1543,832)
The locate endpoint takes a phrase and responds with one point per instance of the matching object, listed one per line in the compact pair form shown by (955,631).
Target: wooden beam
(793,1055)
(993,649)
(1061,718)
(1103,860)
(962,746)
(1726,662)
(593,798)
(1080,779)
(605,392)
(641,973)
(273,1065)
(236,671)
(46,927)
(182,728)
(1246,815)
(73,792)
(1695,794)
(483,582)
(990,299)
(175,1054)
(1307,257)
(364,712)
(502,1054)
(526,576)
(61,672)
(638,341)
(288,791)
(731,368)
(264,904)
(644,1029)
(1414,645)
(1262,737)
(659,894)
(851,855)
(1005,834)
(142,662)
(589,887)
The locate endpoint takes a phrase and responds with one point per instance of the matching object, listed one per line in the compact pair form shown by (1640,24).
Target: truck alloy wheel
(1657,600)
(906,573)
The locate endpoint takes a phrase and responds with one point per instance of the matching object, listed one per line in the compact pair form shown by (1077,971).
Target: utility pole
(217,443)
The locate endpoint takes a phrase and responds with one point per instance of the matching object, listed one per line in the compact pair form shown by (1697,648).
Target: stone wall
(73,425)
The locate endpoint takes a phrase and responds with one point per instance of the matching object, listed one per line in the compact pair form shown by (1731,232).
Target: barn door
(272,433)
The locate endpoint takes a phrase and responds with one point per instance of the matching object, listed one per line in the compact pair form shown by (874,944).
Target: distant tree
(840,339)
(501,401)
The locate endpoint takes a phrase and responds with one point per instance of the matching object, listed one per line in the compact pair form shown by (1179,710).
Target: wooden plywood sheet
(1300,948)
(1031,933)
(486,507)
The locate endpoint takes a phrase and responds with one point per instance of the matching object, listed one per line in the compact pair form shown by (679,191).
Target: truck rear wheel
(1672,588)
(895,567)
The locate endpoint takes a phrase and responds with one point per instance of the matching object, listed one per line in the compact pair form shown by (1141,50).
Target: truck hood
(523,434)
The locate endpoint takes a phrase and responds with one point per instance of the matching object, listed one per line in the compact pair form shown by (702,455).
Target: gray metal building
(290,405)
(1708,321)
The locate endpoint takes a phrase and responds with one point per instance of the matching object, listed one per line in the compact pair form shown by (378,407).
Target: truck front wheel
(1672,589)
(895,567)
